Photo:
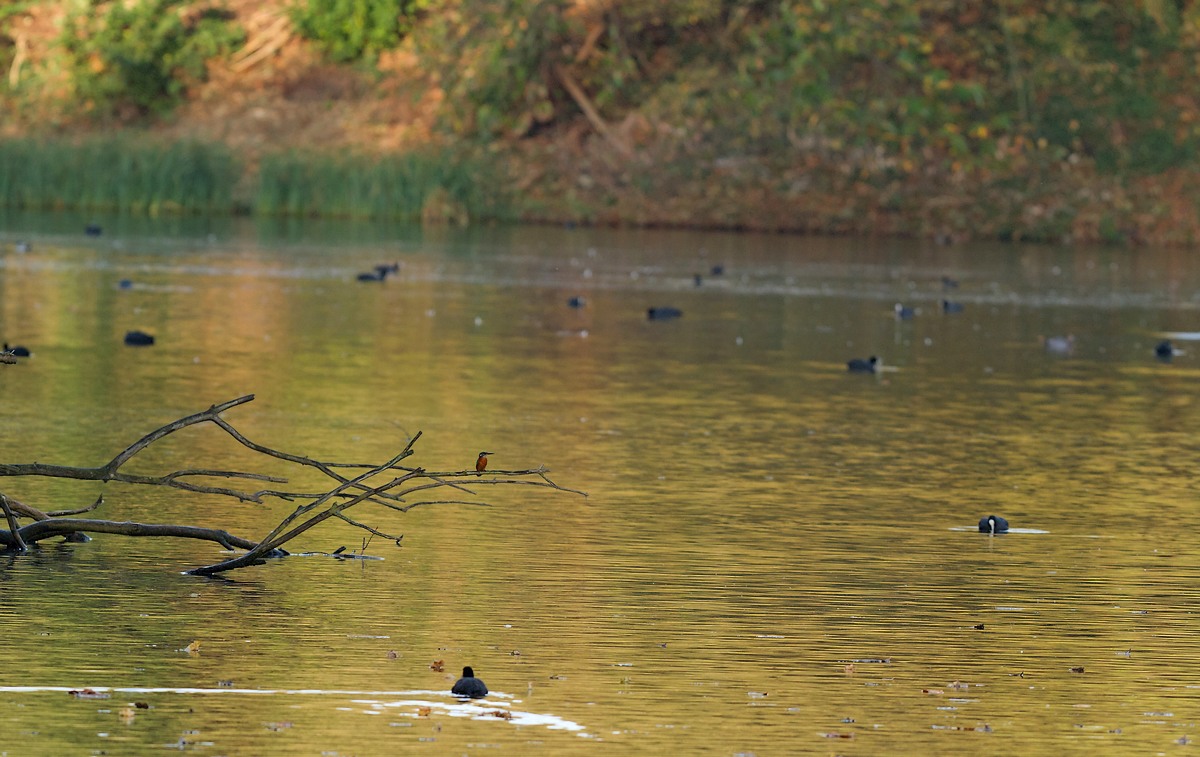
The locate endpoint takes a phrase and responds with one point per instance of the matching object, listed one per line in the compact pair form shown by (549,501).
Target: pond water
(776,556)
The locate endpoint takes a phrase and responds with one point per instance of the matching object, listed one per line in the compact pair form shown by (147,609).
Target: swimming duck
(858,365)
(138,339)
(1061,345)
(663,314)
(576,302)
(951,307)
(380,273)
(1164,350)
(16,350)
(903,313)
(469,685)
(993,524)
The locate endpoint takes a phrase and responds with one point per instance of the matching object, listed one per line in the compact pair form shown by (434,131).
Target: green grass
(411,187)
(136,176)
(116,175)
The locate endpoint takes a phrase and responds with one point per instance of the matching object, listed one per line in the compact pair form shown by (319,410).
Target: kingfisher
(481,461)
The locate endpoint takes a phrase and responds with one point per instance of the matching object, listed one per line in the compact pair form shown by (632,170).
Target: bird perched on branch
(481,461)
(469,685)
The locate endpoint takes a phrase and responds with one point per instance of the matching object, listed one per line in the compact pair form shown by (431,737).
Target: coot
(138,339)
(469,685)
(858,365)
(993,524)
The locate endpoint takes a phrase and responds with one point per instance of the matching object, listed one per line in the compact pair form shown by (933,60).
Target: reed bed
(428,187)
(117,175)
(128,175)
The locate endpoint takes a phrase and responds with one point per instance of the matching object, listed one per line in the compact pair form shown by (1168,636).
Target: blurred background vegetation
(1014,119)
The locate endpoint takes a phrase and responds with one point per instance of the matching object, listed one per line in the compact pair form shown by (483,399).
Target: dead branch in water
(389,486)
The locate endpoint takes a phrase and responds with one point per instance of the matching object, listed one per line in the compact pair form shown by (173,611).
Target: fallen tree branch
(344,493)
(44,529)
(589,110)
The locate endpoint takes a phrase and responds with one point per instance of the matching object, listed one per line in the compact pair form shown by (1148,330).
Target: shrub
(350,30)
(139,59)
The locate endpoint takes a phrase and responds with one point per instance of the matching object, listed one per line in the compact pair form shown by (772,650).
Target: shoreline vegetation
(1026,121)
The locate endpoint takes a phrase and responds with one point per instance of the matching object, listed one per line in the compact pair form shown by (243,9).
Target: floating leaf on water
(515,653)
(933,692)
(958,685)
(978,626)
(392,654)
(848,668)
(437,666)
(558,678)
(834,735)
(424,712)
(226,683)
(192,648)
(873,660)
(1076,669)
(756,694)
(126,714)
(502,714)
(280,726)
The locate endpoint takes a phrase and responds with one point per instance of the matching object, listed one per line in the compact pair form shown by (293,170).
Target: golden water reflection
(775,556)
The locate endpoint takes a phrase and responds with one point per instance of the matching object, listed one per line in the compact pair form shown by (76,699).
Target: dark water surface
(776,556)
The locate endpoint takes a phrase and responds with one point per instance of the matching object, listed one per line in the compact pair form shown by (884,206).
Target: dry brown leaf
(424,712)
(437,666)
(393,654)
(192,648)
(503,714)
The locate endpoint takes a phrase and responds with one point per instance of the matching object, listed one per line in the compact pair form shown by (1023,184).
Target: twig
(374,531)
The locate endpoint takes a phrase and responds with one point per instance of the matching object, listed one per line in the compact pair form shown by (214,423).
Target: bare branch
(211,414)
(78,511)
(365,527)
(444,502)
(17,540)
(44,529)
